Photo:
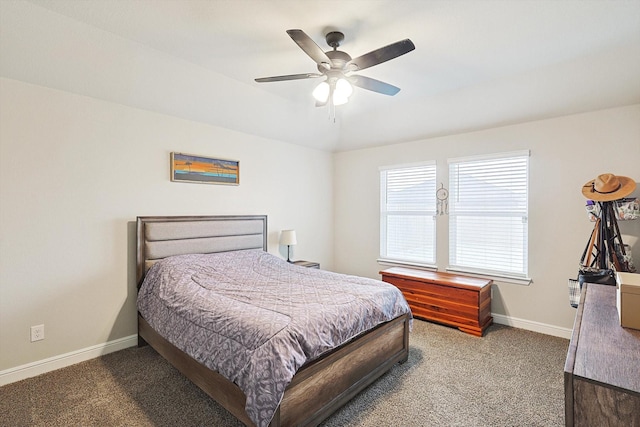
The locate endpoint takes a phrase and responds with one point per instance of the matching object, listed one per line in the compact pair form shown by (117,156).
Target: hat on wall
(608,187)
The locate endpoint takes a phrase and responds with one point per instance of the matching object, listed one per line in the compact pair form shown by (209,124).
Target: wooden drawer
(450,299)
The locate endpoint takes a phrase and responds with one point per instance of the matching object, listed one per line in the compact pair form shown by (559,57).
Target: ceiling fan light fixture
(339,100)
(321,92)
(343,88)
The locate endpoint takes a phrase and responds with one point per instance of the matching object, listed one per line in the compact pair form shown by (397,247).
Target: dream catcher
(443,200)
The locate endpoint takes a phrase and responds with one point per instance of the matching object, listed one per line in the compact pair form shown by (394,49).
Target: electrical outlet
(37,333)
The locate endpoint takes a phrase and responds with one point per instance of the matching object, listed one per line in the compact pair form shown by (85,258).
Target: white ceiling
(477,63)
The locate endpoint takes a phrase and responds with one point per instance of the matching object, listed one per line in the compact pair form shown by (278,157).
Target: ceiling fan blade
(310,47)
(374,85)
(288,77)
(381,55)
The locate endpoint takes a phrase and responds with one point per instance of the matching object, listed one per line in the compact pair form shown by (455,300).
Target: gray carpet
(510,377)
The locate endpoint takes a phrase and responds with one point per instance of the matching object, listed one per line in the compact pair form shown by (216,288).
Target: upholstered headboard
(162,236)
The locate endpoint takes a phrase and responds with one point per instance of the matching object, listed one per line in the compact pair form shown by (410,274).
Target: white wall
(76,171)
(74,174)
(566,152)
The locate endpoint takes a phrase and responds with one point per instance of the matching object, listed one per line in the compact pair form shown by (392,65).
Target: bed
(319,386)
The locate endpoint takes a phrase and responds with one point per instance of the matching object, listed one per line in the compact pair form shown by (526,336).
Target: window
(488,206)
(407,213)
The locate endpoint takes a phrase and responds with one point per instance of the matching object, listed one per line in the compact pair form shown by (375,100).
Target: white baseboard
(51,364)
(530,325)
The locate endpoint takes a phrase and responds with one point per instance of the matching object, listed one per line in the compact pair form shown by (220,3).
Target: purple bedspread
(256,319)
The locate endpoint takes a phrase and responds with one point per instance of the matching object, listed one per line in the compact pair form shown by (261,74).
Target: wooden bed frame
(320,387)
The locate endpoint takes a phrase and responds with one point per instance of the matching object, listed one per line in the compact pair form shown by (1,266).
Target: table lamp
(288,237)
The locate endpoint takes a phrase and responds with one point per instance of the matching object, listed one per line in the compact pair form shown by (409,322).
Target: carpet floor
(509,377)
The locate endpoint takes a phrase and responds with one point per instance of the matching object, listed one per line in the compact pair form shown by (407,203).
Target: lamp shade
(321,92)
(339,100)
(343,88)
(288,237)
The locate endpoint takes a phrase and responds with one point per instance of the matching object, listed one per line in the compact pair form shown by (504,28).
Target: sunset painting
(190,168)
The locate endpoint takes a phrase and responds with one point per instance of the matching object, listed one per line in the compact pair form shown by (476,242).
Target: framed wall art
(204,170)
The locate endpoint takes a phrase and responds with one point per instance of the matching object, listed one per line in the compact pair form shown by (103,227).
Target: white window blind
(488,208)
(407,213)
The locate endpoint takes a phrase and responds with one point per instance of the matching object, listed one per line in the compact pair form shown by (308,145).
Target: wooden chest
(453,300)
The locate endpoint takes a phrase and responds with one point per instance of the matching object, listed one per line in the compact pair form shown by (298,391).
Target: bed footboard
(318,389)
(323,386)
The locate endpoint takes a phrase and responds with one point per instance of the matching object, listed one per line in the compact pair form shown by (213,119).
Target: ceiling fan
(337,67)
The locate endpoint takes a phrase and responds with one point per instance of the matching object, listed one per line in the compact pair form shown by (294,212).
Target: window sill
(525,281)
(391,262)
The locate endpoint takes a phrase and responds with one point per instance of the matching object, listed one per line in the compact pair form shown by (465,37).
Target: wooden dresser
(460,301)
(602,370)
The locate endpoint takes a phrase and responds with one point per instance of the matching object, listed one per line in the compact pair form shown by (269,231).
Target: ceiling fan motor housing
(338,60)
(334,38)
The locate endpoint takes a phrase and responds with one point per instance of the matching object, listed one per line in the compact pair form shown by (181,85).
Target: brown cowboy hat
(608,187)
